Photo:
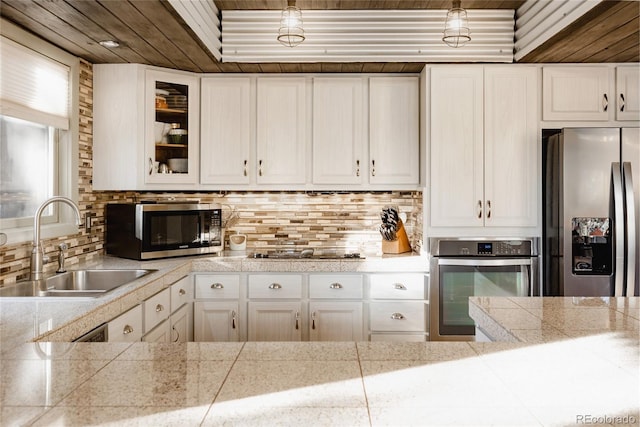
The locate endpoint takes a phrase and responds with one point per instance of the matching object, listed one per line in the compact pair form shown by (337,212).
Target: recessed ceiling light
(109,43)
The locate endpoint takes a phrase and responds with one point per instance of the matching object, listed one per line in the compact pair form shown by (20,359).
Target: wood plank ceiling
(151,32)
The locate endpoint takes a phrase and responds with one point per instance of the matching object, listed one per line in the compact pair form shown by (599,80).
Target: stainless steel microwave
(160,230)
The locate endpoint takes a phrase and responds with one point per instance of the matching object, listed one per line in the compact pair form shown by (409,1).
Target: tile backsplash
(342,221)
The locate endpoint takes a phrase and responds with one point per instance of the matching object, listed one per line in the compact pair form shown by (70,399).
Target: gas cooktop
(306,254)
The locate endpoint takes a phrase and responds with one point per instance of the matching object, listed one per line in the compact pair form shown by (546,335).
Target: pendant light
(291,33)
(456,27)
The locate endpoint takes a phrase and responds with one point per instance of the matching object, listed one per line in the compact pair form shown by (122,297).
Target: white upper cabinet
(456,150)
(394,125)
(510,147)
(576,93)
(226,130)
(628,92)
(483,148)
(338,130)
(281,130)
(134,107)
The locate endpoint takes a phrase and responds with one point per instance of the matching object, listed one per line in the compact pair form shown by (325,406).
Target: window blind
(32,86)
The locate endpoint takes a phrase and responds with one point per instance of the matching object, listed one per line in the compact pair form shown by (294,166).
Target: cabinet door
(127,327)
(181,330)
(628,92)
(576,93)
(335,321)
(394,128)
(510,147)
(171,100)
(226,130)
(338,130)
(215,321)
(274,321)
(456,147)
(281,130)
(161,333)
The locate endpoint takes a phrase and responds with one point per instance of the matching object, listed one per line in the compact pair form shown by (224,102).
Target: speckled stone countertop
(63,319)
(539,320)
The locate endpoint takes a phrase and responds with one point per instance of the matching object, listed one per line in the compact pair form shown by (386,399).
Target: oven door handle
(485,262)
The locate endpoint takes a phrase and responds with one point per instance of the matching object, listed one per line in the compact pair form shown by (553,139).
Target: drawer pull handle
(217,286)
(622,102)
(182,292)
(233,319)
(275,286)
(335,286)
(313,320)
(400,287)
(127,330)
(397,316)
(159,308)
(177,334)
(297,320)
(605,102)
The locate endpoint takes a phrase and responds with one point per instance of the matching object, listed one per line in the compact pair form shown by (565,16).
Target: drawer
(275,286)
(219,286)
(127,327)
(156,309)
(181,293)
(335,286)
(398,286)
(406,316)
(398,337)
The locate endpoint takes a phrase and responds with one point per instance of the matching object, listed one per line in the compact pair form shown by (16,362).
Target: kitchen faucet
(37,254)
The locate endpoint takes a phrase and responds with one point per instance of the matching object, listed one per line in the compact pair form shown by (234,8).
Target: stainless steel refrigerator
(591,212)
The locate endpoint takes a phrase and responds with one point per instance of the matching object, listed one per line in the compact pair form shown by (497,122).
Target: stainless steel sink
(75,283)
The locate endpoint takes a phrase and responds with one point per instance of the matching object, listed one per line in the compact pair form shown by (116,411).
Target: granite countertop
(577,363)
(63,319)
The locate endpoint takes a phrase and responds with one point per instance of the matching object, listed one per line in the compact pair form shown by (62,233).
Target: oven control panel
(482,248)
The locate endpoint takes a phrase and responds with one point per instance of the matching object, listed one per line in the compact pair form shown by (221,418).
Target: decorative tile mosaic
(271,220)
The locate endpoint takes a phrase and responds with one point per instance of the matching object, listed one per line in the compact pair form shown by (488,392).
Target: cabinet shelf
(163,145)
(171,111)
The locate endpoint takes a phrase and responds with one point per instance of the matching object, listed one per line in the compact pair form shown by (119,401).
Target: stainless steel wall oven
(461,268)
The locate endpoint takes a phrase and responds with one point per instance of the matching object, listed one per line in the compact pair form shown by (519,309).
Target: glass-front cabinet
(172,104)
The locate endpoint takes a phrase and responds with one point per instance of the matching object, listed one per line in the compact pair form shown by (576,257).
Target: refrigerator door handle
(631,228)
(618,208)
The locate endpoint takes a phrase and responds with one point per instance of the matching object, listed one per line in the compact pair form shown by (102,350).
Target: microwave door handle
(631,222)
(618,215)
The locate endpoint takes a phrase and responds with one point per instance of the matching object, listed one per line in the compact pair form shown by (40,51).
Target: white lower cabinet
(398,310)
(127,327)
(215,321)
(335,307)
(335,321)
(275,321)
(216,310)
(180,325)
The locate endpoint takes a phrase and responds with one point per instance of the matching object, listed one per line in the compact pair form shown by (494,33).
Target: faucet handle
(63,246)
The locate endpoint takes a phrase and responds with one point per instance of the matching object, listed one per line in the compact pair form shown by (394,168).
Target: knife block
(400,244)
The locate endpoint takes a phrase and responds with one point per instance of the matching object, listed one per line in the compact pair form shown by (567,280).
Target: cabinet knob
(182,292)
(313,320)
(400,287)
(357,167)
(397,316)
(127,330)
(335,286)
(233,319)
(159,308)
(173,328)
(217,286)
(297,320)
(275,286)
(373,168)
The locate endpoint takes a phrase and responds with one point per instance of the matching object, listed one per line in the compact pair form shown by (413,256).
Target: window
(39,87)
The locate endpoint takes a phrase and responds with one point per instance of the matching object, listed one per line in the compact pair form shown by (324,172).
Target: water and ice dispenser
(592,246)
